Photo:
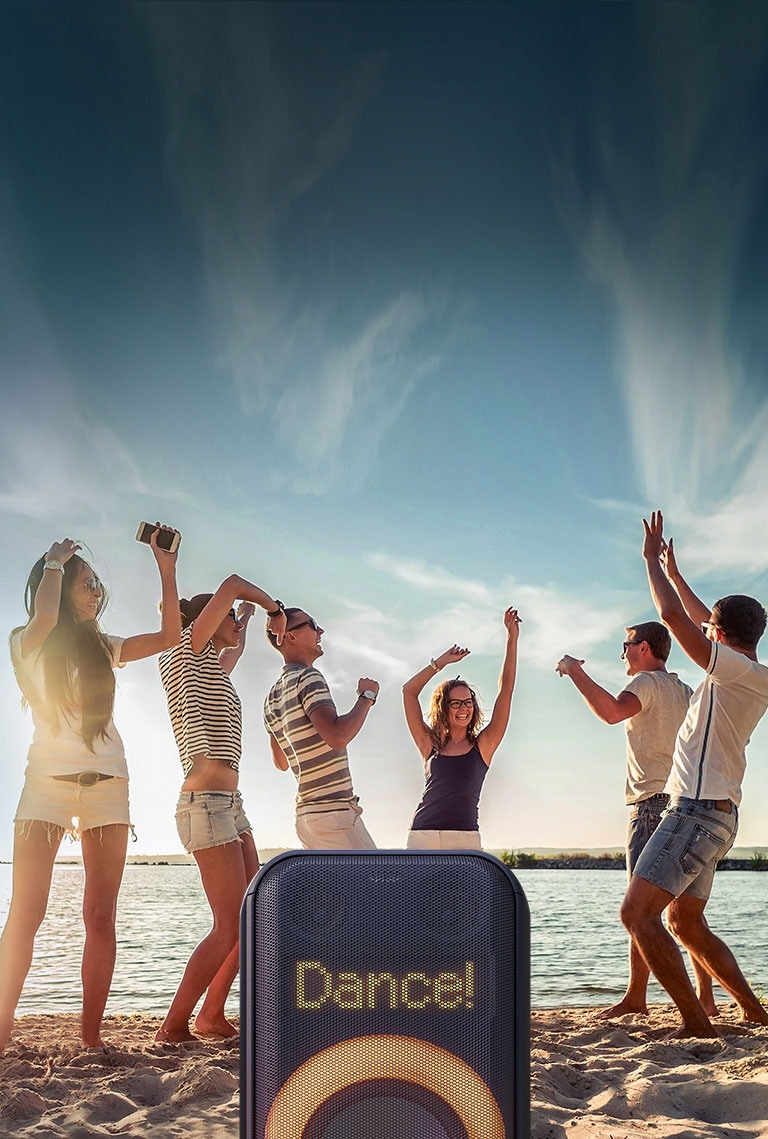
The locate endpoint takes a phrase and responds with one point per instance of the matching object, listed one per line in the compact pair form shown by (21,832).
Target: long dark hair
(76,657)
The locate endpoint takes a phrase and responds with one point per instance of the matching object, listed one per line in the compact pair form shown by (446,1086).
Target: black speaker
(385,995)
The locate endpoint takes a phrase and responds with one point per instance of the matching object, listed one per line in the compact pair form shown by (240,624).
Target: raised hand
(62,551)
(653,539)
(451,656)
(567,665)
(162,557)
(245,611)
(669,561)
(512,621)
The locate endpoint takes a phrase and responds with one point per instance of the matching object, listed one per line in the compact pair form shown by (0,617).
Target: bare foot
(685,1033)
(174,1035)
(621,1009)
(710,1008)
(215,1026)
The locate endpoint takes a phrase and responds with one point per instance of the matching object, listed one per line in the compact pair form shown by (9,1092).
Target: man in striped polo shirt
(307,735)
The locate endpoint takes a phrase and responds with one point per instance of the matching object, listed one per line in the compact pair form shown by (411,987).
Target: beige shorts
(443,840)
(340,829)
(73,808)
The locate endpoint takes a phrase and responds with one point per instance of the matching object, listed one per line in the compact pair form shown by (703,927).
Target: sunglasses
(309,621)
(93,585)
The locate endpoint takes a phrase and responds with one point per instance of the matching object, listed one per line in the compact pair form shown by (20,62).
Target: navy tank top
(452,792)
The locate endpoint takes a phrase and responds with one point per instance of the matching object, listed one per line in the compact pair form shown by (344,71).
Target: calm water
(578,954)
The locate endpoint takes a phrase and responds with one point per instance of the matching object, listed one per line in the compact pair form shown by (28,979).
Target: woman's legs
(223,873)
(211,1017)
(34,850)
(103,859)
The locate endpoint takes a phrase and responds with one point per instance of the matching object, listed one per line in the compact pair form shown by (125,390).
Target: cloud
(469,611)
(249,138)
(663,225)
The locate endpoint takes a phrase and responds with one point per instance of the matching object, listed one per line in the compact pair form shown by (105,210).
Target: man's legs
(641,913)
(687,922)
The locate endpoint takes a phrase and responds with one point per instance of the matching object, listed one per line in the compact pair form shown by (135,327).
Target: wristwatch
(369,694)
(276,612)
(53,564)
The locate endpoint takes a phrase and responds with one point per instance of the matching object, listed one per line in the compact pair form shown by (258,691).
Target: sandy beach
(588,1078)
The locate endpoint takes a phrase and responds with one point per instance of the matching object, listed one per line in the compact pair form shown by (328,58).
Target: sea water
(578,947)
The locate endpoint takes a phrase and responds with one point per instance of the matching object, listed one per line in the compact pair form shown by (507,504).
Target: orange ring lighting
(384,1057)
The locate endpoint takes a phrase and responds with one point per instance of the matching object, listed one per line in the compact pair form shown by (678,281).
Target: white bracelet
(435,665)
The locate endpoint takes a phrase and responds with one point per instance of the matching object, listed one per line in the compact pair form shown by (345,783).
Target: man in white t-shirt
(698,828)
(652,706)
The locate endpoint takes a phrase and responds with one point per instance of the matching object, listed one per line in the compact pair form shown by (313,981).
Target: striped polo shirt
(203,704)
(322,772)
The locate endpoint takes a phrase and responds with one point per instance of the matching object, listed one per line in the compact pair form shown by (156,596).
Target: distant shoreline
(755,859)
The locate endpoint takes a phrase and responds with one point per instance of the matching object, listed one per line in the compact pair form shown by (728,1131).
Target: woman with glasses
(457,750)
(207,724)
(76,767)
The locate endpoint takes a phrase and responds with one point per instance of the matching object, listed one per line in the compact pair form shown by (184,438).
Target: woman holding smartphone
(457,750)
(207,724)
(76,767)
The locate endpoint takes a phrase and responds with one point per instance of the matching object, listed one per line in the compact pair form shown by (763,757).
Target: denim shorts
(210,818)
(683,852)
(644,817)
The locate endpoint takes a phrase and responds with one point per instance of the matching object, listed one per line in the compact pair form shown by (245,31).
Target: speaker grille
(384,993)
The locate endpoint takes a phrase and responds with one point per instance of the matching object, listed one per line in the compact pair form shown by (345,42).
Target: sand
(588,1079)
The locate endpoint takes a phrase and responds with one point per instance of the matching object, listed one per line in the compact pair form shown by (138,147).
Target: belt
(724,805)
(83,778)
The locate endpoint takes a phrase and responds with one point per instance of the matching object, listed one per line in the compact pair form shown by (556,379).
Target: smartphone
(168,540)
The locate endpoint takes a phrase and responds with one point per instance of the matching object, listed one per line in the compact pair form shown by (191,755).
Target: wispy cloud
(248,140)
(664,227)
(457,609)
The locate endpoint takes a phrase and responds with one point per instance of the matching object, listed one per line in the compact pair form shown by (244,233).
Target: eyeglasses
(93,585)
(707,625)
(309,621)
(234,616)
(456,704)
(628,643)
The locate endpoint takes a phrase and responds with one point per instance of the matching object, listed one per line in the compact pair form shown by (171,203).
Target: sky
(405,312)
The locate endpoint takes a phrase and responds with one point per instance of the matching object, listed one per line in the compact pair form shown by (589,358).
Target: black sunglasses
(309,621)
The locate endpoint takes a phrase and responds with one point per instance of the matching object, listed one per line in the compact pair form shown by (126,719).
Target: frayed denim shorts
(683,852)
(72,807)
(210,818)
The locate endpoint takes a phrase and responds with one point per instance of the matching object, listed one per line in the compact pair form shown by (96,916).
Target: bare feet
(215,1026)
(622,1008)
(180,1035)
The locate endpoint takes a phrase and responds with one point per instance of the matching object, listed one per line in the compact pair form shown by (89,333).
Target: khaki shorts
(443,840)
(339,829)
(73,808)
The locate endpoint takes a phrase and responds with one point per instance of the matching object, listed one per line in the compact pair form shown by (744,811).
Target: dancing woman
(207,723)
(76,767)
(457,750)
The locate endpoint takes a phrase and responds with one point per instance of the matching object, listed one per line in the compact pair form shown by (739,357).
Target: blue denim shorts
(210,818)
(683,852)
(644,817)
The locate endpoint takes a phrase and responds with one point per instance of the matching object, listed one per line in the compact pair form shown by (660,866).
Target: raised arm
(47,598)
(336,730)
(693,605)
(493,733)
(169,634)
(689,635)
(609,709)
(229,657)
(422,736)
(235,588)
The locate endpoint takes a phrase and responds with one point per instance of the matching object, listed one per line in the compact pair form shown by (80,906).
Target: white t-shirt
(652,732)
(709,759)
(57,746)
